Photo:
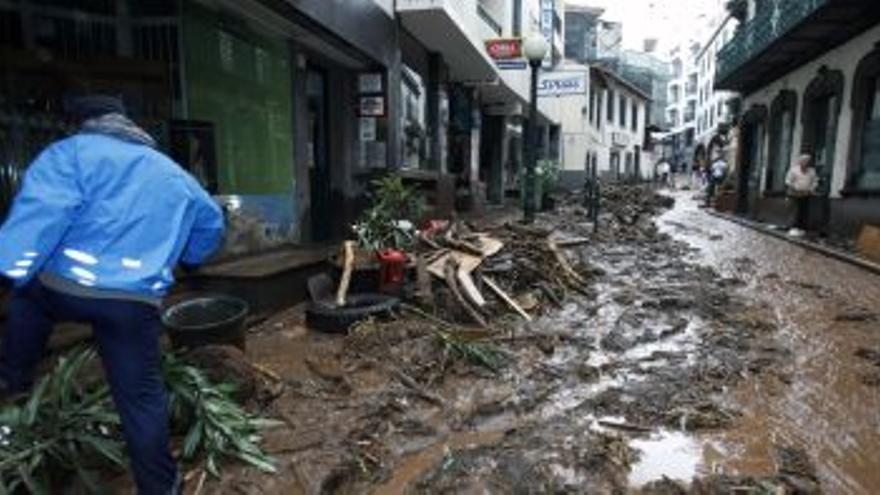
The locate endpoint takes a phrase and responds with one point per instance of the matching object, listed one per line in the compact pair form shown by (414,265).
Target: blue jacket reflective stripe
(109,214)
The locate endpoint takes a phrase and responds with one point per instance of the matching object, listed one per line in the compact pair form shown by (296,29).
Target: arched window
(782,119)
(864,156)
(820,114)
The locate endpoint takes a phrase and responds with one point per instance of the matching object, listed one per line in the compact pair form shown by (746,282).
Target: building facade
(807,89)
(285,110)
(714,107)
(683,98)
(603,126)
(238,92)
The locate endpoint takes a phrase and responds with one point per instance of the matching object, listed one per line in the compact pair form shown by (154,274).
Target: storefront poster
(370,83)
(368,128)
(372,106)
(192,146)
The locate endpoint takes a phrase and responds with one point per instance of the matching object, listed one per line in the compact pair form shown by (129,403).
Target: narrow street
(705,353)
(829,404)
(400,247)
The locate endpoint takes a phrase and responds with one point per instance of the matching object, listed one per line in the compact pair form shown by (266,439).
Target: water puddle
(672,454)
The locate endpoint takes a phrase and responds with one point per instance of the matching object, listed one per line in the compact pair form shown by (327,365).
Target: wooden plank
(506,298)
(466,282)
(451,269)
(347,268)
(577,241)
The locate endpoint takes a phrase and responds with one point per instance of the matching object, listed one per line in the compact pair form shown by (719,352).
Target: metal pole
(529,151)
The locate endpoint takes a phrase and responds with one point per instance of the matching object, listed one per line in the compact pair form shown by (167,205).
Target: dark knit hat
(85,107)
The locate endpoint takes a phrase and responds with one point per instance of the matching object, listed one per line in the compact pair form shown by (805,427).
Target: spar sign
(562,83)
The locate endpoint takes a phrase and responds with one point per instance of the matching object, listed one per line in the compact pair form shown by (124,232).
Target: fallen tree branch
(574,277)
(409,382)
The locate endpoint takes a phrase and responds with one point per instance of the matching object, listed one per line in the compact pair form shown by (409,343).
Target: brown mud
(685,368)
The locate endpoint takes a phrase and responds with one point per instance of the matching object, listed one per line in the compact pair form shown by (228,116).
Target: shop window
(869,171)
(80,45)
(864,167)
(240,82)
(782,118)
(414,120)
(820,114)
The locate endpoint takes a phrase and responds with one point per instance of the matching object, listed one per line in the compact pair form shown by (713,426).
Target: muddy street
(703,358)
(829,404)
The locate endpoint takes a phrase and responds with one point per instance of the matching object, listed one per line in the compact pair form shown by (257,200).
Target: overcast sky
(668,20)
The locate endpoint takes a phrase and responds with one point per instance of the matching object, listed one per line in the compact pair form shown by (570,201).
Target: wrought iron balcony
(784,35)
(757,34)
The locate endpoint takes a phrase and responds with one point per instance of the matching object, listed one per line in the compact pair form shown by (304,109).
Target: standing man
(717,172)
(101,221)
(801,182)
(663,171)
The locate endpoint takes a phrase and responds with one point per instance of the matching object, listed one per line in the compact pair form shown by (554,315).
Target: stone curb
(825,250)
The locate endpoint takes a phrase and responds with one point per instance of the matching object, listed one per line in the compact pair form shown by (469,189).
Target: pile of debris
(627,211)
(519,267)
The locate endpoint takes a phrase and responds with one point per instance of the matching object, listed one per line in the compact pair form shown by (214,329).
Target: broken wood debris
(506,298)
(522,260)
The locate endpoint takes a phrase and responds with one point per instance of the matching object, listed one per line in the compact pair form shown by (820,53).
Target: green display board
(241,82)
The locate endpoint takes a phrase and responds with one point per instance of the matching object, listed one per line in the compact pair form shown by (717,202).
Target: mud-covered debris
(228,364)
(870,355)
(534,460)
(858,315)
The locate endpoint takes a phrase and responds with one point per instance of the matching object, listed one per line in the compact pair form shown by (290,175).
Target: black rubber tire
(325,316)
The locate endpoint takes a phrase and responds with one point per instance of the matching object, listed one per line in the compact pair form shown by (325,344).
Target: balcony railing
(753,37)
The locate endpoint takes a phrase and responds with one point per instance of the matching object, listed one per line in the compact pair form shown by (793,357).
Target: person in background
(663,172)
(716,175)
(801,182)
(93,236)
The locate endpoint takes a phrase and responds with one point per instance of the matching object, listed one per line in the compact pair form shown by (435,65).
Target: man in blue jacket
(93,236)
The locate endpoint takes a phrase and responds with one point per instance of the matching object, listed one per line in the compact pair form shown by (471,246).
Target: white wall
(387,6)
(633,138)
(572,112)
(844,58)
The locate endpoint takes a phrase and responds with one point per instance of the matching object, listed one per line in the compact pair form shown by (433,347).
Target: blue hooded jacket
(105,214)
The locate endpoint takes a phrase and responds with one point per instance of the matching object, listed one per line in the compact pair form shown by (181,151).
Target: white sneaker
(796,233)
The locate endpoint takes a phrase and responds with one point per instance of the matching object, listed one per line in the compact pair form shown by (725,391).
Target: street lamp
(535,49)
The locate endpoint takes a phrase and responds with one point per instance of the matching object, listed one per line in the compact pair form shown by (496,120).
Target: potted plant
(548,179)
(390,222)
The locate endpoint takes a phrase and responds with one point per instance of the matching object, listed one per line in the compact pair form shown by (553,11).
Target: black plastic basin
(207,320)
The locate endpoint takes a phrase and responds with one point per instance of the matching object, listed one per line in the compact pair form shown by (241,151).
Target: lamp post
(535,49)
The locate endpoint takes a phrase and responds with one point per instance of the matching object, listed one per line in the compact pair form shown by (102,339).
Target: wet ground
(829,404)
(703,350)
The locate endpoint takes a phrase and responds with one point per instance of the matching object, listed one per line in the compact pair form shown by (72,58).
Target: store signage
(547,11)
(370,83)
(504,48)
(562,83)
(548,14)
(368,128)
(372,106)
(511,64)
